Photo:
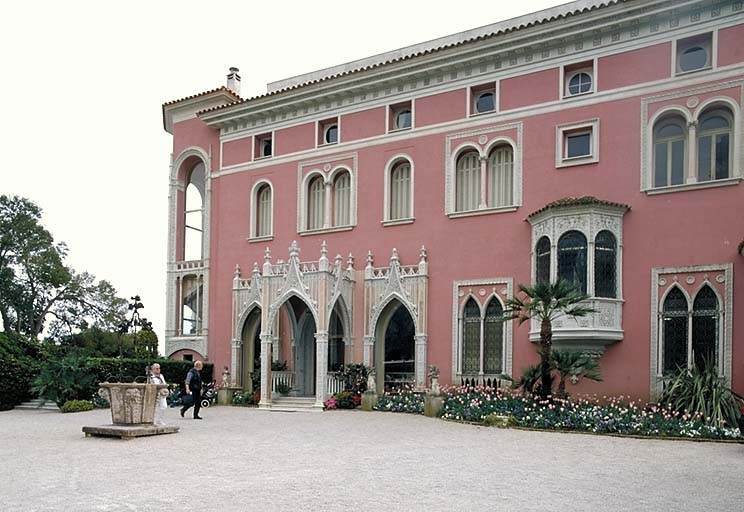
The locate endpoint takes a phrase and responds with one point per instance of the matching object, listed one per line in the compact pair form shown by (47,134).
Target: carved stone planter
(132,410)
(132,403)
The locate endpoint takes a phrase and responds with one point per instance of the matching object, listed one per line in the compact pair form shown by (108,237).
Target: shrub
(354,377)
(700,392)
(77,406)
(68,378)
(283,389)
(245,398)
(107,369)
(404,400)
(20,363)
(344,400)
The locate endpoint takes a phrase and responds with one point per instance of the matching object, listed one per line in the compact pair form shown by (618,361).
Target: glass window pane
(471,338)
(669,130)
(572,259)
(331,134)
(485,102)
(493,333)
(674,331)
(678,162)
(578,145)
(693,58)
(605,266)
(499,179)
(704,148)
(722,156)
(468,182)
(714,123)
(403,119)
(542,260)
(705,327)
(660,164)
(341,199)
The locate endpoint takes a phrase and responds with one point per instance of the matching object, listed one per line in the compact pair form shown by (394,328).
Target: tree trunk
(546,345)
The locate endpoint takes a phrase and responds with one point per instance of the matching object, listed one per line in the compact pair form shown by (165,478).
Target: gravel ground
(352,460)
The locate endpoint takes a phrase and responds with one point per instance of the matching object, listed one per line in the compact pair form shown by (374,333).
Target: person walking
(157,378)
(193,388)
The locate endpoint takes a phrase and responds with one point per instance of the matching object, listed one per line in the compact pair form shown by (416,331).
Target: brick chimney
(233,81)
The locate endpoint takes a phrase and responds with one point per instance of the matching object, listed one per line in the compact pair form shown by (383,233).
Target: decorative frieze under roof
(577,201)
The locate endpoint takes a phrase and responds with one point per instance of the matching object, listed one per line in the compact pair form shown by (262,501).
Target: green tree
(37,287)
(574,366)
(545,302)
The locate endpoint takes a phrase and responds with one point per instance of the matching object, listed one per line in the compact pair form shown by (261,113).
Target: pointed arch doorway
(395,348)
(251,351)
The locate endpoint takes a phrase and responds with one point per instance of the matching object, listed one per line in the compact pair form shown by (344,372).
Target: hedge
(107,369)
(19,365)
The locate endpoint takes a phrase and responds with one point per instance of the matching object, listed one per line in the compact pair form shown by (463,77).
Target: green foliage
(35,283)
(573,366)
(283,389)
(246,397)
(404,400)
(529,381)
(701,393)
(145,343)
(20,360)
(547,302)
(77,406)
(97,342)
(67,378)
(276,366)
(343,400)
(354,377)
(614,416)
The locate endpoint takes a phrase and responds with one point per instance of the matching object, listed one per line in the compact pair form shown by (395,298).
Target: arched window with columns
(714,148)
(467,181)
(401,191)
(500,176)
(670,151)
(194,214)
(341,199)
(263,202)
(316,203)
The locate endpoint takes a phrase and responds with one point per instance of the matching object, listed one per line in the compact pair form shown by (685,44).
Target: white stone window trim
(393,109)
(681,44)
(260,137)
(392,162)
(457,311)
(692,116)
(473,95)
(483,146)
(725,304)
(328,172)
(565,78)
(254,212)
(325,125)
(562,131)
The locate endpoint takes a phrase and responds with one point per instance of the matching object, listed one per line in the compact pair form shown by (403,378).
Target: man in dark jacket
(193,388)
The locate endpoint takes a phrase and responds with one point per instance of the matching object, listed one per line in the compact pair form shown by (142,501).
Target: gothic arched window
(705,313)
(471,337)
(493,338)
(542,260)
(572,259)
(605,265)
(674,319)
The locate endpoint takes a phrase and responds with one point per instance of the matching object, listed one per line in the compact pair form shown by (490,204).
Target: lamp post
(132,323)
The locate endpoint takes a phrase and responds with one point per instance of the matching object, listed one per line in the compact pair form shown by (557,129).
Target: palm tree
(546,302)
(574,366)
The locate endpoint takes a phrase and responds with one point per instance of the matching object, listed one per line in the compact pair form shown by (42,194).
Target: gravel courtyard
(352,460)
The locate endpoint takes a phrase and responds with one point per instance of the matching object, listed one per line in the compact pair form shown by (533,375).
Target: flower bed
(615,416)
(405,400)
(343,400)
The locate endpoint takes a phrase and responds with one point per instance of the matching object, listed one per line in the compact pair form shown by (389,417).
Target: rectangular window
(264,146)
(400,116)
(328,132)
(694,54)
(577,143)
(483,98)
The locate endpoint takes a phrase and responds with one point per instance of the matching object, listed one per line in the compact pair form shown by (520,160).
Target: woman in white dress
(157,378)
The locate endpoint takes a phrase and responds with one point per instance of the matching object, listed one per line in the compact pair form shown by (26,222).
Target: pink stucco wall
(363,124)
(523,90)
(237,151)
(440,108)
(731,45)
(490,245)
(294,138)
(634,67)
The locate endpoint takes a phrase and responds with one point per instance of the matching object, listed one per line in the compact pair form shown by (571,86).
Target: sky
(84,81)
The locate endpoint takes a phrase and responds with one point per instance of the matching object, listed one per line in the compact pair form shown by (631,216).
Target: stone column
(321,367)
(265,372)
(483,201)
(237,370)
(369,345)
(420,361)
(692,152)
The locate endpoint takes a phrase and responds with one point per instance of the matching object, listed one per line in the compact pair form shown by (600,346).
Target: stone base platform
(130,431)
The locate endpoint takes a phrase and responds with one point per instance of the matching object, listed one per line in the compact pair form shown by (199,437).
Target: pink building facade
(383,211)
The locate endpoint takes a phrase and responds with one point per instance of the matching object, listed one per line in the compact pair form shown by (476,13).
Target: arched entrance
(304,360)
(251,352)
(395,347)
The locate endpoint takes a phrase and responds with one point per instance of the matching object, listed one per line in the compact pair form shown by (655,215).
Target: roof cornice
(192,104)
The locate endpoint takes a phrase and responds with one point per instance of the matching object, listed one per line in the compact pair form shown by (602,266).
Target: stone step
(37,405)
(295,404)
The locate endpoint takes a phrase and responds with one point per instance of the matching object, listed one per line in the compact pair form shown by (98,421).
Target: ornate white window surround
(253,237)
(487,139)
(392,163)
(691,108)
(715,276)
(482,291)
(563,131)
(593,332)
(328,169)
